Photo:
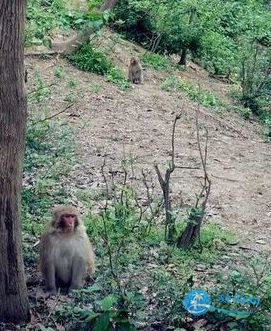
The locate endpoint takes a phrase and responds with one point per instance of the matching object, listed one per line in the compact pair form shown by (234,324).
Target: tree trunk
(183,57)
(14,305)
(191,232)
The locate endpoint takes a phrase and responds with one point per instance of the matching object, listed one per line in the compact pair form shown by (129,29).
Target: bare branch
(52,116)
(164,183)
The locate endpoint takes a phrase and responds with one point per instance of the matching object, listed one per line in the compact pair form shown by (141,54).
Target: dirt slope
(137,124)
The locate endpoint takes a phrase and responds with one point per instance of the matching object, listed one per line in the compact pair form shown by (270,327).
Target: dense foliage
(230,38)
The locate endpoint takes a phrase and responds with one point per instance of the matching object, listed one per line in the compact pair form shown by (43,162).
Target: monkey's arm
(47,264)
(130,75)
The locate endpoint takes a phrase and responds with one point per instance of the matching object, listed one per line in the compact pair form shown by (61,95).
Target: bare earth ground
(137,124)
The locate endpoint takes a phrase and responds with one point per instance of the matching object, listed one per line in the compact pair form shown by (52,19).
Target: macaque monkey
(135,71)
(66,254)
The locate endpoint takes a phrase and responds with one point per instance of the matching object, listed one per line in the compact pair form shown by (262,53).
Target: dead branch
(225,178)
(52,116)
(203,156)
(196,215)
(164,184)
(106,236)
(149,192)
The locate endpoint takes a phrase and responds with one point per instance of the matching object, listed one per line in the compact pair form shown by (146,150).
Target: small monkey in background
(135,72)
(66,254)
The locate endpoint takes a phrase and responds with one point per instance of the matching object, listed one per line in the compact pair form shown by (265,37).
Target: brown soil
(137,123)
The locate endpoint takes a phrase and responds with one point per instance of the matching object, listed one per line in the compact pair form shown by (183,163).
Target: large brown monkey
(66,254)
(135,74)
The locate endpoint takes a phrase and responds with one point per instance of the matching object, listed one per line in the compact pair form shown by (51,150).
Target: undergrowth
(88,58)
(140,280)
(156,61)
(195,93)
(48,158)
(43,16)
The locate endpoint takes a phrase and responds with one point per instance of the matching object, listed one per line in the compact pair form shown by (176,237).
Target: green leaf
(91,316)
(125,327)
(108,302)
(103,322)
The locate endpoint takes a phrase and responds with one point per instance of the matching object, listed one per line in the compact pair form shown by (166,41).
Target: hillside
(137,123)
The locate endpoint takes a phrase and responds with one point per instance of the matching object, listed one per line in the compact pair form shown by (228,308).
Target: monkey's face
(68,222)
(133,61)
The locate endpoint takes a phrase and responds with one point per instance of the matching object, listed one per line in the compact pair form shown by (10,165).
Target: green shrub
(88,58)
(133,19)
(195,93)
(44,16)
(218,53)
(156,61)
(116,76)
(170,83)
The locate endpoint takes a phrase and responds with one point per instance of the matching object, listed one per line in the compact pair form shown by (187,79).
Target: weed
(43,16)
(195,93)
(266,119)
(245,112)
(113,312)
(204,97)
(70,97)
(253,280)
(72,83)
(42,91)
(40,20)
(96,87)
(156,61)
(59,72)
(116,76)
(170,83)
(87,58)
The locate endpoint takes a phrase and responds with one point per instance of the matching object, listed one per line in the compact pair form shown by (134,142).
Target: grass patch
(195,93)
(48,158)
(42,91)
(149,273)
(245,112)
(156,61)
(88,58)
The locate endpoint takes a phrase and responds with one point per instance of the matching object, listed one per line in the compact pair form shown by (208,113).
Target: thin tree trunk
(183,54)
(14,305)
(183,57)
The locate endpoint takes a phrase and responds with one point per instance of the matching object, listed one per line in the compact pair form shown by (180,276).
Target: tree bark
(190,233)
(14,305)
(183,57)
